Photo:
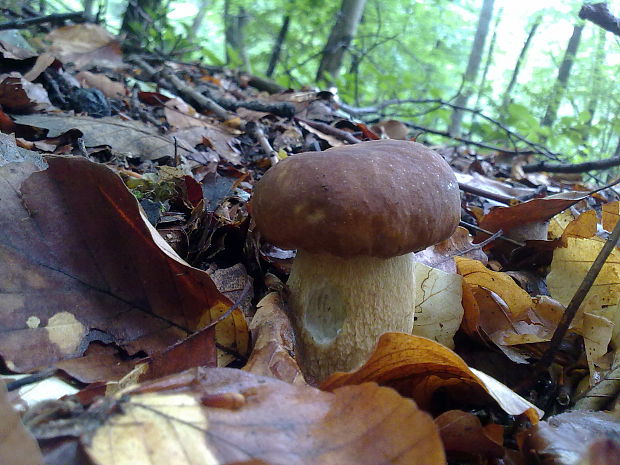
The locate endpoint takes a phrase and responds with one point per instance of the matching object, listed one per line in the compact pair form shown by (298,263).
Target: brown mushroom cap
(380,198)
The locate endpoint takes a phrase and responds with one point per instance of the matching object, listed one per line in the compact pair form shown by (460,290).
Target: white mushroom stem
(340,307)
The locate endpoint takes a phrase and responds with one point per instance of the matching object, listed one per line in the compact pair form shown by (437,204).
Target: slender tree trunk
(200,16)
(595,79)
(137,19)
(234,32)
(277,47)
(473,64)
(563,74)
(487,65)
(340,38)
(617,151)
(88,9)
(520,61)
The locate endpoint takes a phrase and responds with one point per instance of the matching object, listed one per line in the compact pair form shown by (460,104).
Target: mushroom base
(340,307)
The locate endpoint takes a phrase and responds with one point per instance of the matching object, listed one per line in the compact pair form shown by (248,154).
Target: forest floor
(143,319)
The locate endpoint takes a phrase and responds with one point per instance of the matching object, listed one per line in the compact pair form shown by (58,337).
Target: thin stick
(490,233)
(569,314)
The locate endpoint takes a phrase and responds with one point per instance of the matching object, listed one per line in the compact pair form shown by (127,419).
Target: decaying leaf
(273,338)
(564,439)
(416,367)
(219,415)
(463,434)
(80,264)
(438,304)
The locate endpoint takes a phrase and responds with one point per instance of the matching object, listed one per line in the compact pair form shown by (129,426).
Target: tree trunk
(136,21)
(563,75)
(487,65)
(340,38)
(277,47)
(200,16)
(473,64)
(88,9)
(234,28)
(520,61)
(596,79)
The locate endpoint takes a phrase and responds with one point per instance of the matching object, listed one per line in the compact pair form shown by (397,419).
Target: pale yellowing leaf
(438,304)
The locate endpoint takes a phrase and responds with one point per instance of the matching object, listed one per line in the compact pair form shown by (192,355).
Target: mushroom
(354,213)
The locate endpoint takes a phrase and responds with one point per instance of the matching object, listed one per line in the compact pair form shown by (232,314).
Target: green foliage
(418,50)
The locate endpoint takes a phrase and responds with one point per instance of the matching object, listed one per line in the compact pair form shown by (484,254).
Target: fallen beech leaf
(17,446)
(131,138)
(22,96)
(610,215)
(563,439)
(438,309)
(462,432)
(110,88)
(220,415)
(80,264)
(441,256)
(476,274)
(273,342)
(526,214)
(86,45)
(416,367)
(558,224)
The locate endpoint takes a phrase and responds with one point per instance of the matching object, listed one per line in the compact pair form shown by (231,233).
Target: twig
(332,131)
(538,148)
(487,195)
(258,132)
(31,379)
(569,314)
(54,18)
(469,141)
(490,233)
(234,306)
(572,167)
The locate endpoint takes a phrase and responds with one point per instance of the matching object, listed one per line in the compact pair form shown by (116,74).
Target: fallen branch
(572,167)
(54,18)
(599,14)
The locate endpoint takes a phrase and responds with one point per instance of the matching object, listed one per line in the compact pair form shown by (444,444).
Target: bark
(200,16)
(563,75)
(473,64)
(340,38)
(520,60)
(277,47)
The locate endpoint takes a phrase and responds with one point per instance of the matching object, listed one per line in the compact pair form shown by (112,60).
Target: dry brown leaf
(129,138)
(213,416)
(610,215)
(17,446)
(475,273)
(19,95)
(462,433)
(416,367)
(110,88)
(522,217)
(273,338)
(86,45)
(441,256)
(80,264)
